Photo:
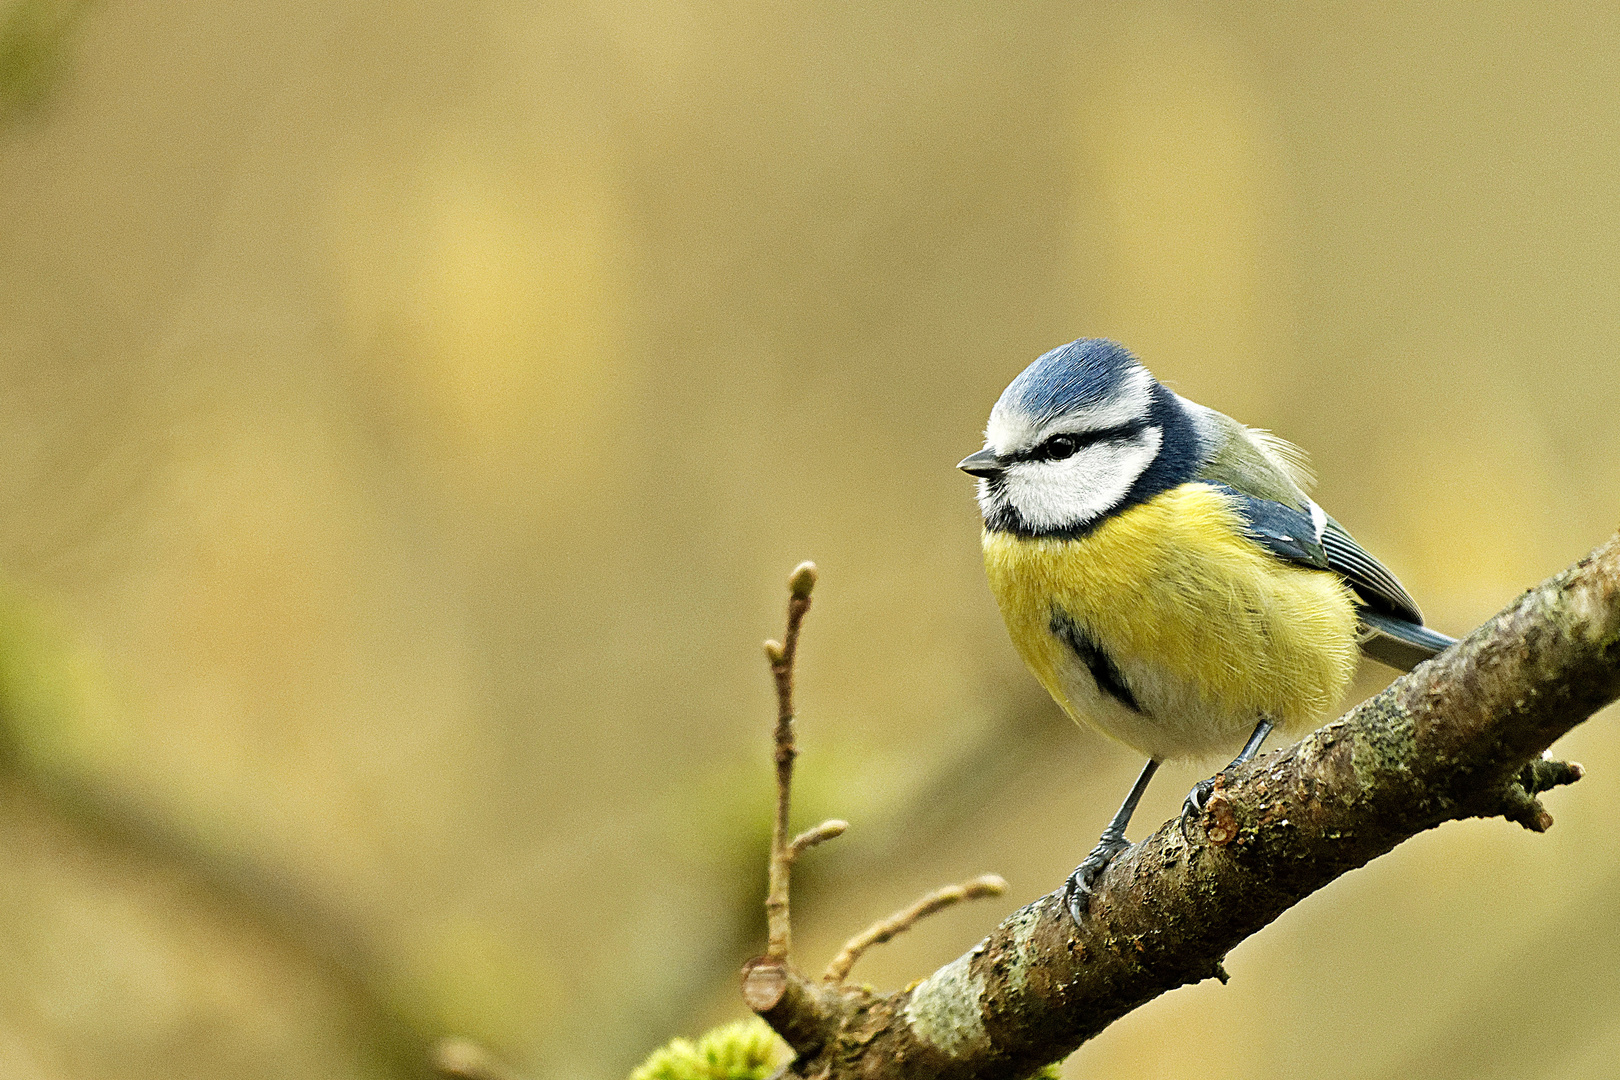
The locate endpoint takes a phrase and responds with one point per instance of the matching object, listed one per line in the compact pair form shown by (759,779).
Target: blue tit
(1164,574)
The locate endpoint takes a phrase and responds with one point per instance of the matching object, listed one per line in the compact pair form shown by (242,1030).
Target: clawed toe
(1195,802)
(1198,797)
(1077,890)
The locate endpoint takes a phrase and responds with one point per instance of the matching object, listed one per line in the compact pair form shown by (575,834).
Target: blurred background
(409,414)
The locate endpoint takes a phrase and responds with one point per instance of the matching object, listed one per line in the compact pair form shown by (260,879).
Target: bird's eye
(1059,447)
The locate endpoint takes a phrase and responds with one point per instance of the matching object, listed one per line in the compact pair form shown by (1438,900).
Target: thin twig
(781,655)
(802,1011)
(901,921)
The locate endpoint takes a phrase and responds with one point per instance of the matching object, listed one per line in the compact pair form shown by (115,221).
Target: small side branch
(901,921)
(1519,803)
(818,835)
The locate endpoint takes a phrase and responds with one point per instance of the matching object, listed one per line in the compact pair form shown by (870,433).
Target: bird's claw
(1197,799)
(1077,890)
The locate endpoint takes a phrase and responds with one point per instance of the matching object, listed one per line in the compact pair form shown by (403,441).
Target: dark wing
(1396,634)
(1374,584)
(1280,529)
(1399,643)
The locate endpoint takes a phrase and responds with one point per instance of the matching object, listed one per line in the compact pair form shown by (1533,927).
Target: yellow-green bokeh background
(409,414)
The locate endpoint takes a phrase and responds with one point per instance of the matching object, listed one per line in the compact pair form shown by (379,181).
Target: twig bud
(802,580)
(985,885)
(818,835)
(773,651)
(463,1059)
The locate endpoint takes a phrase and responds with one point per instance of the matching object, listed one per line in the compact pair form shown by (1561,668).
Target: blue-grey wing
(1395,634)
(1280,529)
(1375,585)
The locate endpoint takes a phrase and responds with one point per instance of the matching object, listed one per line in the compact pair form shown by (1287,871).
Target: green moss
(58,708)
(744,1050)
(1381,745)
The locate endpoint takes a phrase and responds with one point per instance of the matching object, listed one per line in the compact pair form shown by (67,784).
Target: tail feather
(1399,643)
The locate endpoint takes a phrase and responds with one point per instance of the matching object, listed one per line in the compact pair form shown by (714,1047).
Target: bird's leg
(1199,795)
(1077,891)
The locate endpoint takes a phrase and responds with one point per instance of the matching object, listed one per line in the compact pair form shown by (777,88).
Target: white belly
(1174,721)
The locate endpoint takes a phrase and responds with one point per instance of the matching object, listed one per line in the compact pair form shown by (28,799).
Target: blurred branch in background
(211,936)
(1465,735)
(35,36)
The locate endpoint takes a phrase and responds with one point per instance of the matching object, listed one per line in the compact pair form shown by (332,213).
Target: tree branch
(1462,736)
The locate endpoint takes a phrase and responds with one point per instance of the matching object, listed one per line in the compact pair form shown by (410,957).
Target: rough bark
(1462,736)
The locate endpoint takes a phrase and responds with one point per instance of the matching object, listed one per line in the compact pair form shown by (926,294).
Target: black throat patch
(1110,680)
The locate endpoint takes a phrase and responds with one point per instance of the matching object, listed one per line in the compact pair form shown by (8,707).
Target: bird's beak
(984,463)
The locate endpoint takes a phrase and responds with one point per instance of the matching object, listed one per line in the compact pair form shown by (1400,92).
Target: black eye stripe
(1080,440)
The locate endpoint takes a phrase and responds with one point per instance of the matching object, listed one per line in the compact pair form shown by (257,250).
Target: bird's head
(1082,432)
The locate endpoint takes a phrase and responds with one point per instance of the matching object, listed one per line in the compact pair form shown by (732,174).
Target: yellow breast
(1203,622)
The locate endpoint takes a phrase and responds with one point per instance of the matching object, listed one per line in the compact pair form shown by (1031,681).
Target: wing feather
(1395,633)
(1372,582)
(1279,528)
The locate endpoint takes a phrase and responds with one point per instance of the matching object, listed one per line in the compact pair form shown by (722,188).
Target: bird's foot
(1077,891)
(1197,799)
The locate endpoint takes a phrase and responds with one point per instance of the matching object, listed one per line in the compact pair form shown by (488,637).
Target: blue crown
(1083,372)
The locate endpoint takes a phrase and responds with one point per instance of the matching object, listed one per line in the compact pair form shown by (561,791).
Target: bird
(1164,573)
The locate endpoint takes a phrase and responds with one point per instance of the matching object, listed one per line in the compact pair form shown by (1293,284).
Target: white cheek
(1068,493)
(988,504)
